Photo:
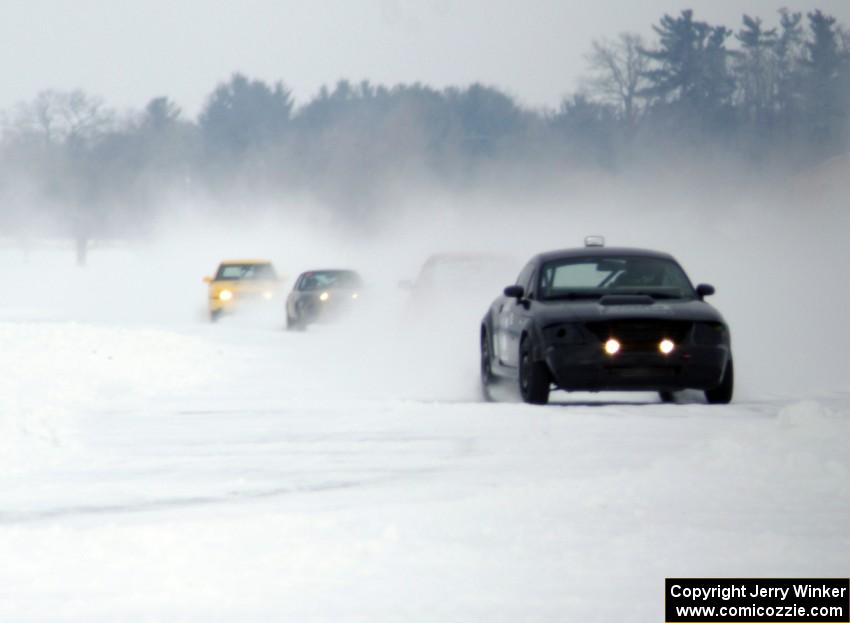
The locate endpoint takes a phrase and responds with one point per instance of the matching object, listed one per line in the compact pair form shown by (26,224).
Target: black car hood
(582,311)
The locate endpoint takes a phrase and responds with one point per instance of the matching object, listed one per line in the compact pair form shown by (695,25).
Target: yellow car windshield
(234,272)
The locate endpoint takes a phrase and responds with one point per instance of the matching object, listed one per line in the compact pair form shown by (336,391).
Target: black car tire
(667,397)
(534,377)
(215,315)
(722,394)
(292,324)
(308,311)
(487,377)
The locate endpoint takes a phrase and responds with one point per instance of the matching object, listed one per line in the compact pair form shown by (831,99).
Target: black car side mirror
(515,292)
(704,290)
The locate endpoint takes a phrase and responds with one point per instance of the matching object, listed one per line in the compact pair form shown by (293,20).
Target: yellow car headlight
(225,295)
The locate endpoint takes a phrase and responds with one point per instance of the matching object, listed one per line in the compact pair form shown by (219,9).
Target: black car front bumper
(587,367)
(313,310)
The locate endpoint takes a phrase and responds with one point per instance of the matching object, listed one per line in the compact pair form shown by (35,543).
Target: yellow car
(241,282)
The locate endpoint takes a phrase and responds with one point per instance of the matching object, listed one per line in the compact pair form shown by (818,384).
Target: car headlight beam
(666,346)
(324,296)
(612,346)
(225,295)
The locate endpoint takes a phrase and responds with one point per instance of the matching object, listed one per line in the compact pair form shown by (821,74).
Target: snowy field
(155,467)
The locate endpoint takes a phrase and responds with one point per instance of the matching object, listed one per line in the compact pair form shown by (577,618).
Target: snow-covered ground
(154,467)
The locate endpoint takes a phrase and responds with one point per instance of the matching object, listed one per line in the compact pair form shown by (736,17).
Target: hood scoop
(626,299)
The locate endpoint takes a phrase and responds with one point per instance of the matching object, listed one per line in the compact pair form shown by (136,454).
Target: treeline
(769,94)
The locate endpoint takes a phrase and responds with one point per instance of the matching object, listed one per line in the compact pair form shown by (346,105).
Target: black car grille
(640,335)
(643,373)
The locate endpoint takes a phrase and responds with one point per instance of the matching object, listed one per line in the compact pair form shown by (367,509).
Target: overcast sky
(128,51)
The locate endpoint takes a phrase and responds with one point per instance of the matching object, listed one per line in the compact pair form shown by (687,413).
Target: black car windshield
(329,280)
(232,272)
(594,277)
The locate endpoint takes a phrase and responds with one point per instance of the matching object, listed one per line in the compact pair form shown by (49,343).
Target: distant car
(322,295)
(241,283)
(450,272)
(449,283)
(599,318)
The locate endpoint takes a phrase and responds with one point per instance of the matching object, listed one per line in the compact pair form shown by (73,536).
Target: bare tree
(617,74)
(59,132)
(61,117)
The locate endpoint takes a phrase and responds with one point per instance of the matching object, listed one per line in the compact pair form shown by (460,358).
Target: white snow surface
(154,467)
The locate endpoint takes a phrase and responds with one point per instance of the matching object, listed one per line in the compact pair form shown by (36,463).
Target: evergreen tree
(789,46)
(690,70)
(243,114)
(825,101)
(756,69)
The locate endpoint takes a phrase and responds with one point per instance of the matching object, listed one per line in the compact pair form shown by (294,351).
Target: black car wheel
(534,377)
(722,394)
(487,378)
(215,315)
(307,312)
(666,397)
(292,324)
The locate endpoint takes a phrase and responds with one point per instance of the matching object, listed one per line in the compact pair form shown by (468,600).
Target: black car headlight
(565,333)
(710,333)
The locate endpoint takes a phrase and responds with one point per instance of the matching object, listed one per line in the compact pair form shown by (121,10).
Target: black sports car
(321,295)
(599,318)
